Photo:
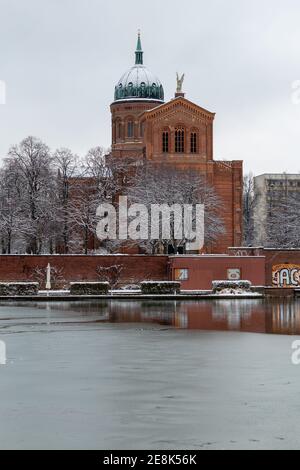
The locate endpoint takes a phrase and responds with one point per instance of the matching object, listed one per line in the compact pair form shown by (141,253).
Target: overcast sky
(60,60)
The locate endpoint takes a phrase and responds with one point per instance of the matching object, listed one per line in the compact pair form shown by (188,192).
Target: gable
(179,105)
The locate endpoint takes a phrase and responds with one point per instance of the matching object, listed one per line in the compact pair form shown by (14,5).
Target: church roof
(138,82)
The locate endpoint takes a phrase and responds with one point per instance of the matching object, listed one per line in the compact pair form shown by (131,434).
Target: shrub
(18,288)
(160,287)
(219,286)
(89,288)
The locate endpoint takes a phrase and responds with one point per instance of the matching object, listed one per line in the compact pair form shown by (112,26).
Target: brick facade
(123,112)
(150,122)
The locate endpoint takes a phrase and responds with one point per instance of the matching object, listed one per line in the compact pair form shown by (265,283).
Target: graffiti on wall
(286,275)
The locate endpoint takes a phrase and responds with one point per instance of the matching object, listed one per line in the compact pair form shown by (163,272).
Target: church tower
(178,133)
(137,91)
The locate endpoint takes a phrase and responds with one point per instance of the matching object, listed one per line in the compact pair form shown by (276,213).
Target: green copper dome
(138,83)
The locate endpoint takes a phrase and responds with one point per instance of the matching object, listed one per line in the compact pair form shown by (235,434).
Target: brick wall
(80,267)
(255,264)
(204,269)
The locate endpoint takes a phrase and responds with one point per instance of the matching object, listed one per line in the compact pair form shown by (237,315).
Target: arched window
(119,129)
(129,129)
(193,142)
(179,140)
(165,141)
(143,90)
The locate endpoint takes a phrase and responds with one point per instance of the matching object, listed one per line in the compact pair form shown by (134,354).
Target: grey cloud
(61,58)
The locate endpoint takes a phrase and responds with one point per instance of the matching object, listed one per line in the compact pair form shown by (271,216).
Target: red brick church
(177,132)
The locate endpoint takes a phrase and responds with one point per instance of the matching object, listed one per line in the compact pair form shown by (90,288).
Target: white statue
(179,83)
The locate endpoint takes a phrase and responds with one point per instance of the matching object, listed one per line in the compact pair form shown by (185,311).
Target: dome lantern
(139,51)
(138,83)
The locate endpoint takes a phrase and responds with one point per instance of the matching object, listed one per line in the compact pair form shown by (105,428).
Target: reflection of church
(179,133)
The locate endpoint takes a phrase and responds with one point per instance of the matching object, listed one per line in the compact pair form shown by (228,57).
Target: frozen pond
(150,374)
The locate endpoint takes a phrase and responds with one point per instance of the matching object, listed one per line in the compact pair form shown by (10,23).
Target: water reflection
(285,318)
(259,316)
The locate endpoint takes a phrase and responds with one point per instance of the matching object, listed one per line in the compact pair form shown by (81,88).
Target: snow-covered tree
(67,168)
(82,211)
(157,184)
(249,200)
(11,216)
(283,222)
(29,164)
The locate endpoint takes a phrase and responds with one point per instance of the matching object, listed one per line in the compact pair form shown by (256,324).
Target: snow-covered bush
(160,287)
(89,288)
(231,286)
(18,288)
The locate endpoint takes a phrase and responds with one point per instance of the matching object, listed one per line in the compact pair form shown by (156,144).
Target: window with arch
(130,89)
(179,140)
(119,129)
(130,129)
(154,90)
(165,141)
(194,143)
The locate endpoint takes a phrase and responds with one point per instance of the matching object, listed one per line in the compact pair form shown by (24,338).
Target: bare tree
(94,167)
(11,217)
(48,201)
(108,175)
(249,201)
(39,275)
(29,163)
(67,167)
(283,222)
(82,211)
(110,274)
(105,178)
(153,184)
